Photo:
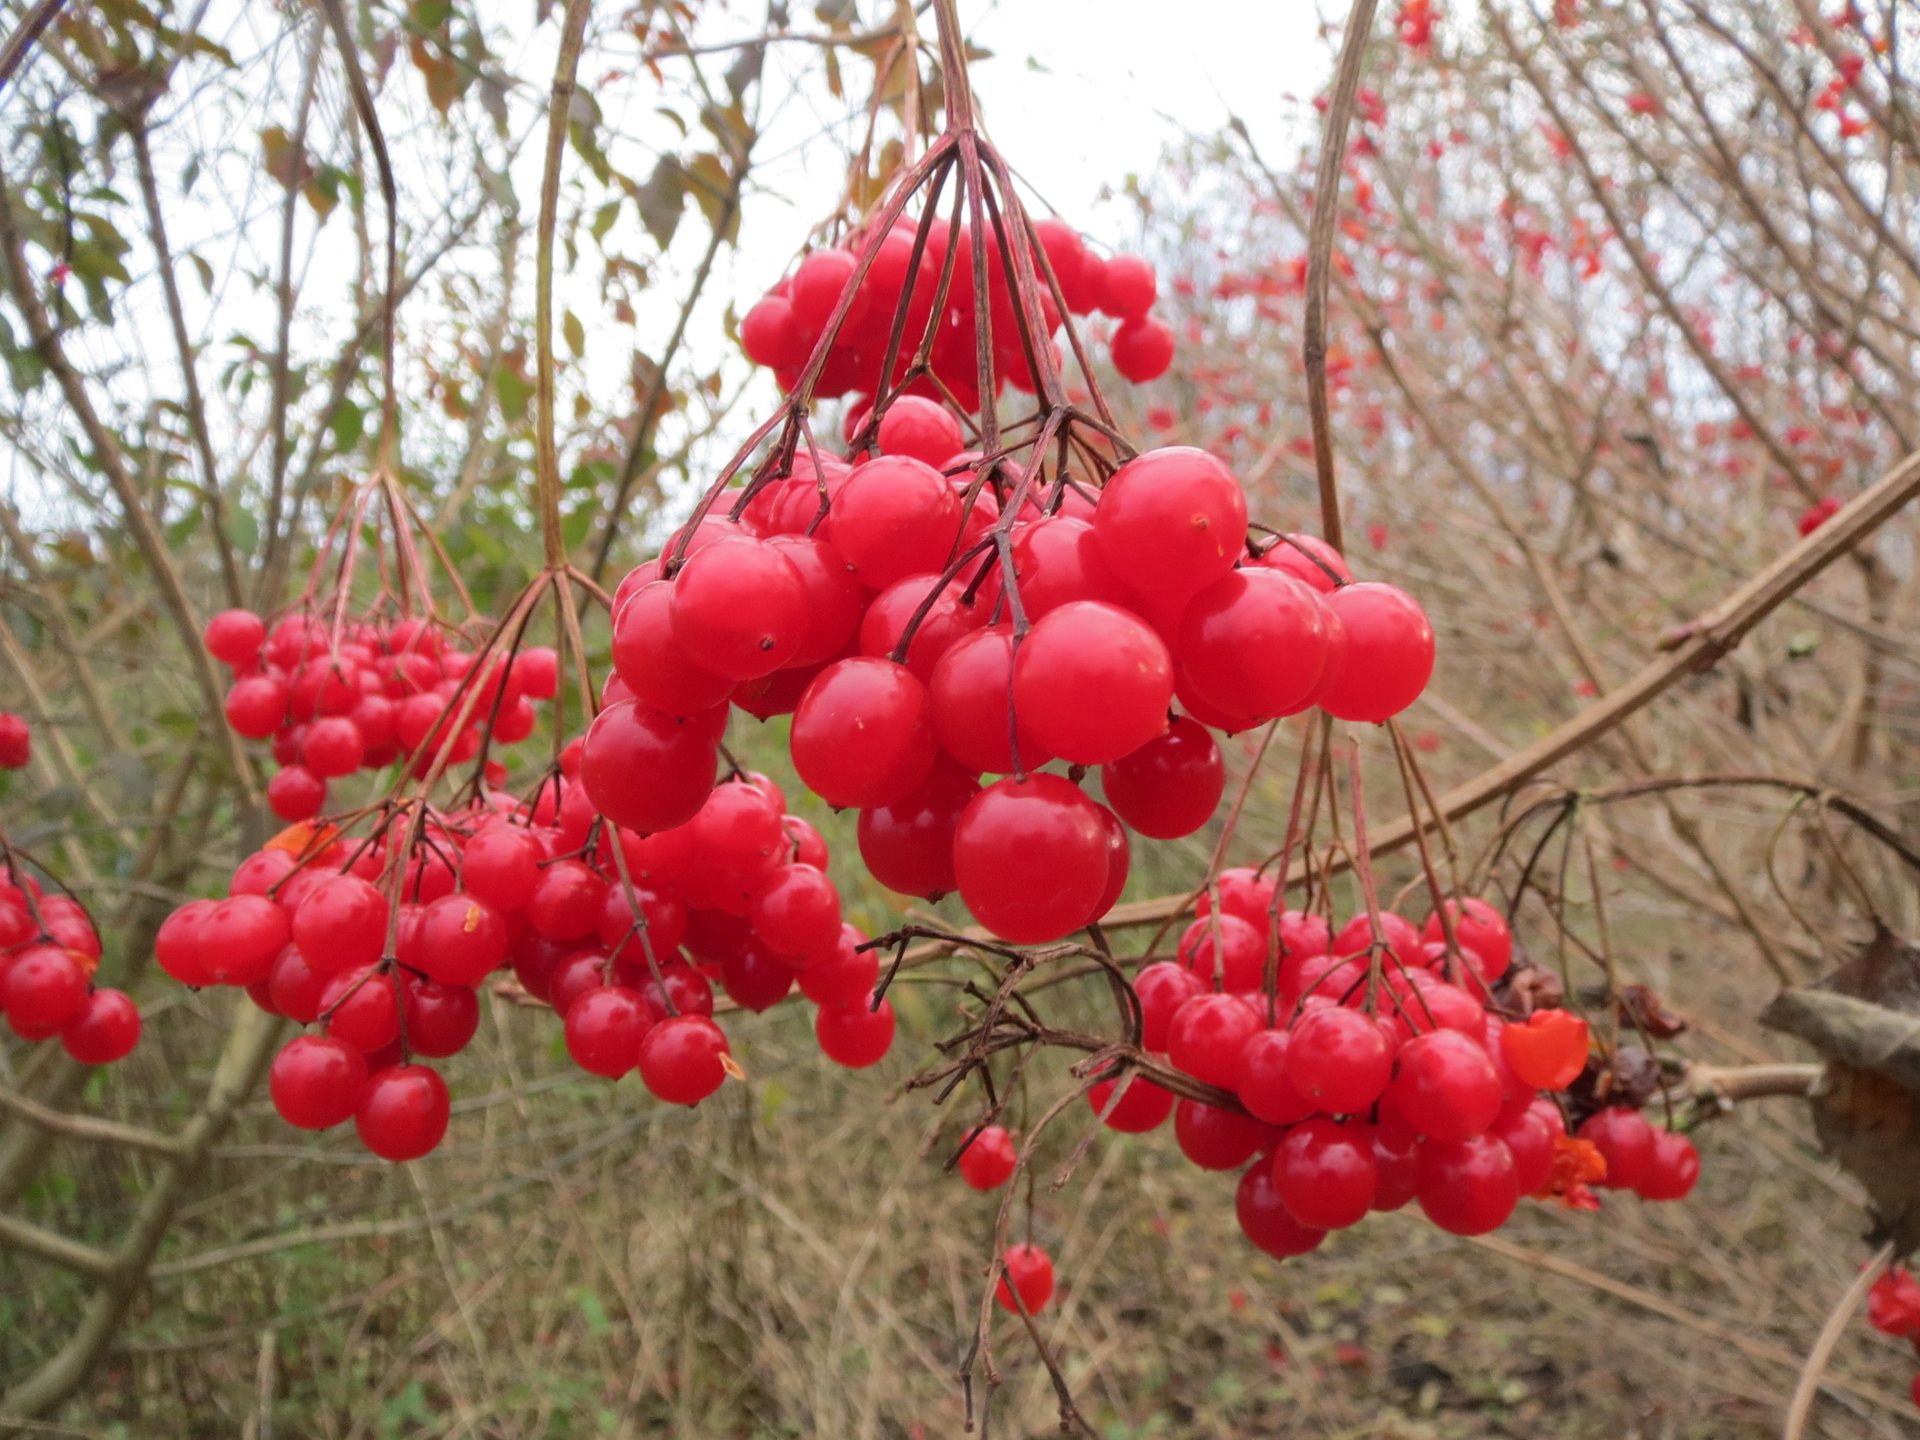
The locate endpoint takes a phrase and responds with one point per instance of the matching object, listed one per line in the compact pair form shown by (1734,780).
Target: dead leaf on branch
(1865,1020)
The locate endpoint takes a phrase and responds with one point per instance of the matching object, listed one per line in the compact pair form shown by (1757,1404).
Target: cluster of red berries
(381,946)
(49,951)
(1366,1086)
(782,328)
(1893,1308)
(867,600)
(381,690)
(16,741)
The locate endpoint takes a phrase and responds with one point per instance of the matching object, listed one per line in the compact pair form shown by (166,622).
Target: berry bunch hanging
(49,951)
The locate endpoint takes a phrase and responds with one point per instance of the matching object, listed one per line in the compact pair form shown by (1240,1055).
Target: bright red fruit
(971,693)
(856,1035)
(1308,559)
(1171,519)
(296,793)
(1029,1269)
(989,1159)
(106,1029)
(1254,643)
(1143,1107)
(240,938)
(1170,786)
(1324,1173)
(1893,1304)
(1224,951)
(680,1059)
(1389,655)
(234,637)
(42,990)
(1674,1169)
(1625,1141)
(1163,987)
(1446,1086)
(894,517)
(1267,1222)
(1478,927)
(341,924)
(604,1028)
(316,1082)
(1467,1187)
(1207,1035)
(1127,287)
(1260,1079)
(920,428)
(1093,682)
(645,770)
(649,657)
(740,607)
(908,845)
(403,1112)
(462,940)
(1339,1060)
(1030,857)
(440,1019)
(1213,1138)
(1142,349)
(863,733)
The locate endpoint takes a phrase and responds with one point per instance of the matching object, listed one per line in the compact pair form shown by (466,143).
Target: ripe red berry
(340,924)
(1144,1106)
(1171,519)
(1467,1187)
(316,1082)
(1213,1138)
(604,1028)
(1029,1269)
(1325,1174)
(894,517)
(1389,655)
(1446,1086)
(1267,1222)
(754,977)
(645,770)
(1163,987)
(855,1035)
(1530,1143)
(739,608)
(500,865)
(1127,287)
(1339,1060)
(1625,1141)
(1093,682)
(989,1159)
(440,1019)
(770,336)
(1893,1304)
(908,845)
(1260,1079)
(972,705)
(1674,1169)
(1168,787)
(1142,349)
(42,989)
(844,977)
(920,428)
(462,940)
(948,620)
(1308,559)
(296,793)
(796,911)
(659,670)
(1255,643)
(106,1029)
(403,1112)
(257,706)
(863,734)
(1208,1034)
(239,939)
(680,1059)
(332,746)
(362,1009)
(1478,927)
(1030,857)
(234,637)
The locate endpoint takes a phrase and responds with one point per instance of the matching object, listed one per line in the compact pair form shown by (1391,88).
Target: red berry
(908,845)
(1143,1107)
(1625,1141)
(1093,682)
(604,1028)
(1260,1079)
(1208,1034)
(1467,1187)
(972,705)
(1389,656)
(834,598)
(862,734)
(1267,1222)
(796,911)
(332,746)
(296,794)
(42,989)
(1127,287)
(855,1035)
(403,1112)
(920,428)
(500,865)
(234,637)
(645,770)
(1339,1060)
(105,1030)
(844,977)
(989,1159)
(1325,1174)
(947,621)
(462,940)
(1893,1304)
(341,924)
(256,706)
(1530,1142)
(1056,561)
(657,668)
(894,517)
(1308,559)
(680,1059)
(770,336)
(1029,1270)
(1254,643)
(1031,859)
(1478,927)
(740,607)
(755,978)
(1171,519)
(1215,1139)
(316,1082)
(1163,987)
(1168,787)
(1446,1086)
(240,938)
(1142,349)
(440,1019)
(1673,1170)
(362,1009)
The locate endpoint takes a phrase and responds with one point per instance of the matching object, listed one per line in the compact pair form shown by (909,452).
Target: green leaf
(575,333)
(604,217)
(348,425)
(662,199)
